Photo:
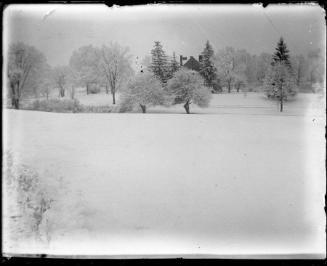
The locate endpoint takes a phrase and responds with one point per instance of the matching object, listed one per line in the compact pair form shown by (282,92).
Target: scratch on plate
(48,14)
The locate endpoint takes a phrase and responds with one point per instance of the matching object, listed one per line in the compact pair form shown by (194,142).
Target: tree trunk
(73,92)
(113,97)
(238,88)
(62,92)
(16,103)
(107,90)
(87,88)
(143,107)
(312,81)
(281,97)
(229,87)
(12,95)
(187,107)
(15,96)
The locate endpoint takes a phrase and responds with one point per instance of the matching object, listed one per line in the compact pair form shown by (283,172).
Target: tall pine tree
(279,81)
(159,63)
(207,68)
(282,53)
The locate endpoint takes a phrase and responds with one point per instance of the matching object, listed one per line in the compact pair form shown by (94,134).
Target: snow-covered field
(242,179)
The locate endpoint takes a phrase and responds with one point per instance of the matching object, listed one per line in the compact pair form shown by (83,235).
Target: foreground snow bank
(160,183)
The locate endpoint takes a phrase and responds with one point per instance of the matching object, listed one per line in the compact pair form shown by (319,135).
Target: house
(192,63)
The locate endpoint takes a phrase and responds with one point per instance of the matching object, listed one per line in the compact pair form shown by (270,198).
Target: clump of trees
(165,83)
(232,68)
(109,65)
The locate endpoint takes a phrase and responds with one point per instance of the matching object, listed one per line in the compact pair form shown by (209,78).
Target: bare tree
(85,64)
(24,65)
(225,63)
(316,60)
(115,64)
(61,78)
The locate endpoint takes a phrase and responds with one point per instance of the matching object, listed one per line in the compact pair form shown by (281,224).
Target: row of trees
(30,74)
(238,69)
(109,66)
(279,74)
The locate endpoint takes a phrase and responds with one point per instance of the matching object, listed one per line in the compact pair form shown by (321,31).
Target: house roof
(192,64)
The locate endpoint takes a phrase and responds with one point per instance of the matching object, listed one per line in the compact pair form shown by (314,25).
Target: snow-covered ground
(234,103)
(243,179)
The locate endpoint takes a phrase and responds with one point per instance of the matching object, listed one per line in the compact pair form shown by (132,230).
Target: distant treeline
(110,67)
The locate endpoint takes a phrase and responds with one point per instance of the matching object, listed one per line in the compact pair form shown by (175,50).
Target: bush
(94,89)
(27,199)
(187,87)
(56,105)
(39,207)
(67,106)
(95,109)
(143,91)
(216,86)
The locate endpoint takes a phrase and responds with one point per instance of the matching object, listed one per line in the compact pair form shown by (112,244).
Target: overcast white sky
(57,30)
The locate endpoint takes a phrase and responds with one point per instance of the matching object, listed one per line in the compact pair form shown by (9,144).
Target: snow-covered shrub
(56,105)
(216,86)
(240,82)
(26,199)
(94,89)
(68,214)
(187,87)
(39,207)
(143,91)
(95,109)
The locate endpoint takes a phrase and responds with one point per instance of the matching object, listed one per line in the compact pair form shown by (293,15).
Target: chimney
(181,58)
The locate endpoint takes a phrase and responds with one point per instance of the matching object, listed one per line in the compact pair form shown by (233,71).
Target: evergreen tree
(173,66)
(159,63)
(207,68)
(280,83)
(282,53)
(280,80)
